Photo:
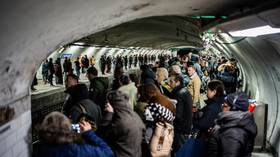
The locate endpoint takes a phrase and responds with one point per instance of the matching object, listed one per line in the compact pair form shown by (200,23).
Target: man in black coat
(98,87)
(235,132)
(79,96)
(183,120)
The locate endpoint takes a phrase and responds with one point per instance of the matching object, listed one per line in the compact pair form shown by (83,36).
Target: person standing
(58,72)
(183,120)
(194,86)
(45,71)
(77,67)
(235,129)
(122,127)
(51,71)
(98,87)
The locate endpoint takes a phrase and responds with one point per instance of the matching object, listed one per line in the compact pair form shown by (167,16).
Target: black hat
(238,101)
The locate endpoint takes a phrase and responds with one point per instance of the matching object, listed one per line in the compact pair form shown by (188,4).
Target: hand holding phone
(76,128)
(85,126)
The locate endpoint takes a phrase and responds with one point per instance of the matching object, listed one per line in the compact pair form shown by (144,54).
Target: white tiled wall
(15,141)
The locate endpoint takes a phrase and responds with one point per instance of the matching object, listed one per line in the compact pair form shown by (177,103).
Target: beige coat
(131,91)
(194,88)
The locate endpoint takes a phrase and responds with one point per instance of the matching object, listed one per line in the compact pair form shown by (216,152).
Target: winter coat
(208,114)
(183,120)
(95,146)
(233,136)
(123,129)
(45,68)
(194,88)
(131,90)
(98,90)
(79,96)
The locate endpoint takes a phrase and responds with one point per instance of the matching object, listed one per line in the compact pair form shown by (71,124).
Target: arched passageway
(31,30)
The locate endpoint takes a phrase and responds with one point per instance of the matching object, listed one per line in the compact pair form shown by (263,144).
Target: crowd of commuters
(125,114)
(81,64)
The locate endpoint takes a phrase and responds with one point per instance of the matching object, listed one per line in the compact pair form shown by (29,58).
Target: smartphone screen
(76,128)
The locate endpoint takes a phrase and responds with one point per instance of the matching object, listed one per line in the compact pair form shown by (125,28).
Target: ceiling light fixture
(254,32)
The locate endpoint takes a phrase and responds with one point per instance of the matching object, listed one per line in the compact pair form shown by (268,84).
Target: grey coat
(123,129)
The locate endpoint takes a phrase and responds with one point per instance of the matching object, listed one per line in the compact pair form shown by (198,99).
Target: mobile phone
(76,128)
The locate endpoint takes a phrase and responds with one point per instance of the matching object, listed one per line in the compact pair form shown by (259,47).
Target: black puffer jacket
(233,136)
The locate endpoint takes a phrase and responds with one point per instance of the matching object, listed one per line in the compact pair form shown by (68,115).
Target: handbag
(162,139)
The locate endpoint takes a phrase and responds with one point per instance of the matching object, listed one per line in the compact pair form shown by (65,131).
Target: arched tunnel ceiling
(156,32)
(32,29)
(167,31)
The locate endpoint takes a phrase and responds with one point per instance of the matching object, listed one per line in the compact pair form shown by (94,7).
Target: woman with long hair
(159,108)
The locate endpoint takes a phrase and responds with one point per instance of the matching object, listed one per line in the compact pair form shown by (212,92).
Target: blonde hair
(163,72)
(176,69)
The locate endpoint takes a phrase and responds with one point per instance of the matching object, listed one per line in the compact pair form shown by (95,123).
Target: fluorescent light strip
(254,32)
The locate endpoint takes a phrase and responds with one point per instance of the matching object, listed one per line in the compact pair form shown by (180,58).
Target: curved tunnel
(32,30)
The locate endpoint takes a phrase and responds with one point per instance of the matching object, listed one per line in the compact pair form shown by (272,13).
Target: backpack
(162,139)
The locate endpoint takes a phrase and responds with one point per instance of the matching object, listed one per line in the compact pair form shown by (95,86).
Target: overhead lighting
(79,44)
(61,49)
(254,32)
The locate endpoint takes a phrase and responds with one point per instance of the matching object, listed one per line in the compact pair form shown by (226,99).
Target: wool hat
(237,101)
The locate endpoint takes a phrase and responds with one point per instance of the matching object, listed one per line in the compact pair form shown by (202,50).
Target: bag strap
(83,108)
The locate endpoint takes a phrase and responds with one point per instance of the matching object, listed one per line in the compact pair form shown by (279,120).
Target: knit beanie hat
(117,98)
(238,101)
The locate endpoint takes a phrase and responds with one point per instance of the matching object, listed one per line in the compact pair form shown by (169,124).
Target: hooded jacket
(79,96)
(233,136)
(122,129)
